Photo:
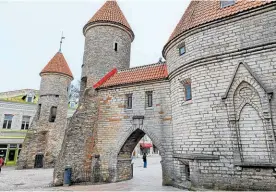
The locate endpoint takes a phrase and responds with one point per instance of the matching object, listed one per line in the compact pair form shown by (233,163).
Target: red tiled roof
(110,12)
(57,64)
(136,75)
(200,12)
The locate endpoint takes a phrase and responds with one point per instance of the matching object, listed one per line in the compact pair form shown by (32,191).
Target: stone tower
(44,139)
(108,38)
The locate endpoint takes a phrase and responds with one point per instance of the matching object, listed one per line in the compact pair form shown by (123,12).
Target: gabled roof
(57,64)
(19,96)
(110,12)
(201,12)
(145,73)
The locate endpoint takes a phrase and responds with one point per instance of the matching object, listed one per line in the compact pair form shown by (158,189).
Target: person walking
(1,163)
(145,160)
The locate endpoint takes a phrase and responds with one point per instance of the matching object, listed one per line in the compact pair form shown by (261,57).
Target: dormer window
(29,99)
(72,104)
(226,3)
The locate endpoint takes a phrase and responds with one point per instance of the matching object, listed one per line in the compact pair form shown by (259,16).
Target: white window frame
(26,122)
(72,104)
(7,121)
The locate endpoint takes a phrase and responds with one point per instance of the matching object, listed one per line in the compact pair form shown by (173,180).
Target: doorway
(39,161)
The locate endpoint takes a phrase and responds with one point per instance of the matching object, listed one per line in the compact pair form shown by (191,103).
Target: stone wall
(220,133)
(46,137)
(101,137)
(117,127)
(79,141)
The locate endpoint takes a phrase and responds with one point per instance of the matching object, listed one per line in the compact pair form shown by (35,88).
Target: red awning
(146,145)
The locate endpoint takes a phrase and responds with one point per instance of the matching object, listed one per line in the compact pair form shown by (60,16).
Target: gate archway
(124,166)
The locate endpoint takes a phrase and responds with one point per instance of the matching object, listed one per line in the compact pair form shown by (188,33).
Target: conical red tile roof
(57,64)
(110,12)
(201,12)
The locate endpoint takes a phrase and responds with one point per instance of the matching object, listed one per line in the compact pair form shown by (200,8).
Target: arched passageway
(127,164)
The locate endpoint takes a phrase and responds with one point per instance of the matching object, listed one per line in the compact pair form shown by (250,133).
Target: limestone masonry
(209,108)
(43,142)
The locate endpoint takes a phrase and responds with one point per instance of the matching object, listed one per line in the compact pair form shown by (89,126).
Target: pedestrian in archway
(1,163)
(145,160)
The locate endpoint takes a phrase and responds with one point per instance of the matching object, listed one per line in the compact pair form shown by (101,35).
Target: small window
(25,123)
(182,50)
(188,90)
(129,101)
(72,104)
(7,121)
(83,83)
(149,98)
(187,172)
(38,111)
(53,114)
(226,3)
(116,47)
(29,99)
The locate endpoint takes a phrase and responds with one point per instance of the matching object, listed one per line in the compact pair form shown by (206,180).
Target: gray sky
(30,34)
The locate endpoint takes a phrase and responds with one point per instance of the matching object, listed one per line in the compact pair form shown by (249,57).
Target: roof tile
(137,74)
(111,12)
(201,12)
(57,64)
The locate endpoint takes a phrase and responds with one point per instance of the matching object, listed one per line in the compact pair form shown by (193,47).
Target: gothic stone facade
(224,138)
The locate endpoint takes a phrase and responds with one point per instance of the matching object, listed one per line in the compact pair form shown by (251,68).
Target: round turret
(218,51)
(108,38)
(51,117)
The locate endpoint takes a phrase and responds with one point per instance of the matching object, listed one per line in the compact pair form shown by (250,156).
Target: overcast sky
(30,34)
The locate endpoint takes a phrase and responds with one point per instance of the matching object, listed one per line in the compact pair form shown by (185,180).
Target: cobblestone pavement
(149,179)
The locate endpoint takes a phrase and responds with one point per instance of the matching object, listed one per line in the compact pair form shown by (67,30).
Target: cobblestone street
(149,179)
